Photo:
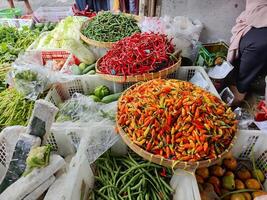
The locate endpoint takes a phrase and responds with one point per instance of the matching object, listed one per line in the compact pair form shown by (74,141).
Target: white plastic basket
(51,14)
(61,92)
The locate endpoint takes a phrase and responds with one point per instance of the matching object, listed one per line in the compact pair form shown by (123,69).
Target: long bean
(108,27)
(132,178)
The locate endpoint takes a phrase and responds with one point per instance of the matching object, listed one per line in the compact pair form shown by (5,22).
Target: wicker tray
(174,164)
(98,43)
(143,77)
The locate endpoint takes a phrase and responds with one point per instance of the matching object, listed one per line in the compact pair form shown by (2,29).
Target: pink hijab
(255,15)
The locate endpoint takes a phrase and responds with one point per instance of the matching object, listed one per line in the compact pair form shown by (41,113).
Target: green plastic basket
(10,13)
(209,52)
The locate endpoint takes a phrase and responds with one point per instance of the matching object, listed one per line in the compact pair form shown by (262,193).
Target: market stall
(101,107)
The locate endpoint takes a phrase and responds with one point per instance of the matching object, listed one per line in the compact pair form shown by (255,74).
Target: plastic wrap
(31,78)
(81,108)
(97,135)
(185,32)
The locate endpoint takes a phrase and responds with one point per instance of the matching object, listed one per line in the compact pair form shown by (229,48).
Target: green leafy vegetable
(38,157)
(14,41)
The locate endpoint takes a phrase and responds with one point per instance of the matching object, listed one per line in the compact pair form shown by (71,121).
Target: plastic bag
(29,80)
(81,108)
(184,32)
(30,77)
(185,185)
(97,135)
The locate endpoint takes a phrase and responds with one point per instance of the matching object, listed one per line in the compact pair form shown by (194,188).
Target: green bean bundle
(108,27)
(130,177)
(15,109)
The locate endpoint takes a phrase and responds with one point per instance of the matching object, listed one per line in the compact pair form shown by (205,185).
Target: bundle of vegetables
(130,177)
(14,41)
(232,179)
(15,109)
(108,27)
(176,120)
(138,54)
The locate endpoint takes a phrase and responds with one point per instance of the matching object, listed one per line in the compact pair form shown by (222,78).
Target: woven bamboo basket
(142,77)
(174,164)
(98,43)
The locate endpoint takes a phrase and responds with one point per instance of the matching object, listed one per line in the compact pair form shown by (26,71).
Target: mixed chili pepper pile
(109,27)
(176,120)
(138,54)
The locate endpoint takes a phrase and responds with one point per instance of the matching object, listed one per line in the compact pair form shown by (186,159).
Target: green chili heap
(108,27)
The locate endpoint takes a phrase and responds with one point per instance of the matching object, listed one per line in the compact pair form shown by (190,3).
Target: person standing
(29,10)
(248,48)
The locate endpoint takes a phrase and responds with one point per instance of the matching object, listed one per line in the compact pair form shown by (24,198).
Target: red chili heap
(176,119)
(138,54)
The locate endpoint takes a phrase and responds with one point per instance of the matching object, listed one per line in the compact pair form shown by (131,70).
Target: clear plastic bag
(184,31)
(30,77)
(81,108)
(95,123)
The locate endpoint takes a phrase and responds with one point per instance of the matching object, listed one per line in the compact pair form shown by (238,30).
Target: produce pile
(108,27)
(176,120)
(138,54)
(43,27)
(15,109)
(130,177)
(14,41)
(232,179)
(3,73)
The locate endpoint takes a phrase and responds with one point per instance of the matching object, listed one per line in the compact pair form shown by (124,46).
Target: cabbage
(66,36)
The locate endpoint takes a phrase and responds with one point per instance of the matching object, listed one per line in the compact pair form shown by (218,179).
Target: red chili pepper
(138,54)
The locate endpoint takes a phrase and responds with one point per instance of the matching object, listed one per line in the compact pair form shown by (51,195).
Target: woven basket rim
(140,77)
(99,43)
(170,163)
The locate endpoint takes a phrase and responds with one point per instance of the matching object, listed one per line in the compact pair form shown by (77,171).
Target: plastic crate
(208,52)
(86,84)
(18,23)
(51,14)
(10,13)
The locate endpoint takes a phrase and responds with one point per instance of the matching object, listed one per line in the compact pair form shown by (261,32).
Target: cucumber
(95,98)
(92,72)
(89,68)
(111,98)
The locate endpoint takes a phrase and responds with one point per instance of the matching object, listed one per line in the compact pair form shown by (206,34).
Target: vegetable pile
(83,69)
(108,27)
(4,68)
(15,109)
(232,179)
(130,177)
(138,54)
(42,27)
(103,94)
(14,41)
(176,120)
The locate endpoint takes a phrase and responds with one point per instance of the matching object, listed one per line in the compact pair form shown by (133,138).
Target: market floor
(37,3)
